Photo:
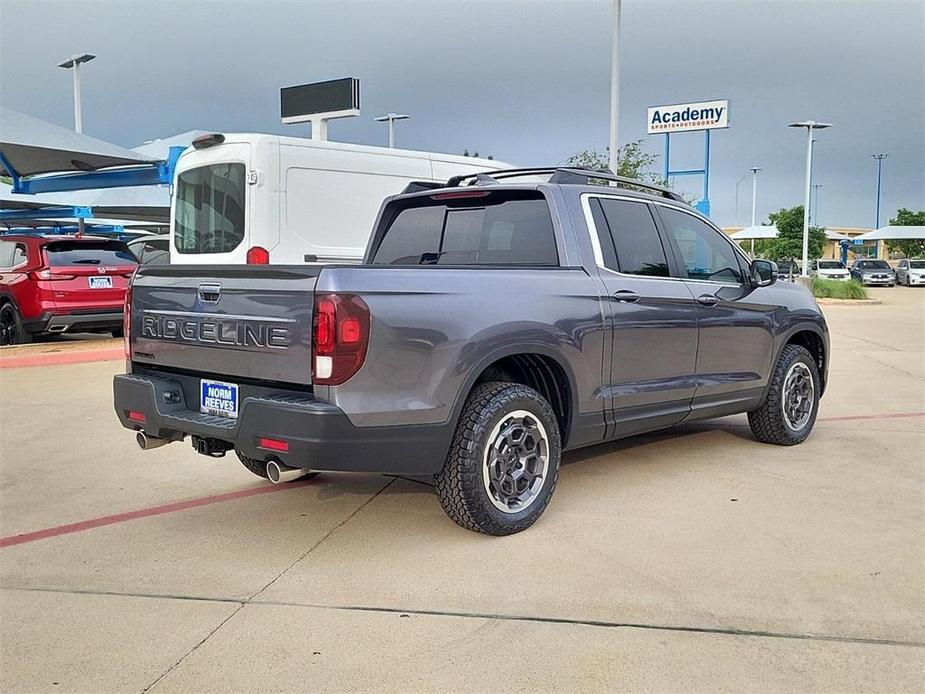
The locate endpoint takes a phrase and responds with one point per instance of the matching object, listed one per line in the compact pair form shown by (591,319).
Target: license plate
(218,398)
(100,282)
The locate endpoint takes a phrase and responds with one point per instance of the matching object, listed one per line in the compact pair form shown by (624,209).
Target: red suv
(56,284)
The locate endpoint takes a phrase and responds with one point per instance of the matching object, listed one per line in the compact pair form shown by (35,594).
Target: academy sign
(703,115)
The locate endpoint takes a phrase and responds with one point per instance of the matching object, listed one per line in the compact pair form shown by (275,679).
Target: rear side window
(629,238)
(6,253)
(210,209)
(501,228)
(62,253)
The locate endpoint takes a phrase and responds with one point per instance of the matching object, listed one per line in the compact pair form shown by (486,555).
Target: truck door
(736,321)
(653,318)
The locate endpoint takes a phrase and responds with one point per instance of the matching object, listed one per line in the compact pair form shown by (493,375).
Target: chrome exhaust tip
(278,473)
(146,442)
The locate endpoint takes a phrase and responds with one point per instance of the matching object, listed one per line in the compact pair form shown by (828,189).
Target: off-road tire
(18,334)
(459,485)
(767,422)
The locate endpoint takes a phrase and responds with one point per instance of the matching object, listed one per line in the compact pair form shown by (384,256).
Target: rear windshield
(874,265)
(830,265)
(498,228)
(210,209)
(75,252)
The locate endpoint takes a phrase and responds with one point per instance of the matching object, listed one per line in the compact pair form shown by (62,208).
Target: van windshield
(210,209)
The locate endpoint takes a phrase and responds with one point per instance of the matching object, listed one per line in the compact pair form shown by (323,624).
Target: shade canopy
(33,146)
(149,204)
(834,236)
(893,233)
(757,232)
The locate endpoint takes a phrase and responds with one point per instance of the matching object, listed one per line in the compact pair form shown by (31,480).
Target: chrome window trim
(599,255)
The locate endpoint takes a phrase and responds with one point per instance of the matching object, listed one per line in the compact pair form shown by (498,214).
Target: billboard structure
(319,102)
(700,115)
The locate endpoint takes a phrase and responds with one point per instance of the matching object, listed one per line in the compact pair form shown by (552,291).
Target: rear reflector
(136,416)
(273,444)
(258,255)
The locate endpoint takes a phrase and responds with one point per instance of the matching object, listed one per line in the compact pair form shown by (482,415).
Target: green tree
(632,162)
(789,241)
(910,248)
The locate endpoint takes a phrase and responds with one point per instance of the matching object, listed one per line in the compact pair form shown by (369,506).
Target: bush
(834,289)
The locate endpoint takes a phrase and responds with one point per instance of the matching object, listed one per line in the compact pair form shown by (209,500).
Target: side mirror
(764,273)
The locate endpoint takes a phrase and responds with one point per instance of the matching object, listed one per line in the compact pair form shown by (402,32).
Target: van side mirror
(764,273)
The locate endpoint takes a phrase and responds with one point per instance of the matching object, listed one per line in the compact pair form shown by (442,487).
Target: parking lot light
(74,63)
(810,125)
(391,118)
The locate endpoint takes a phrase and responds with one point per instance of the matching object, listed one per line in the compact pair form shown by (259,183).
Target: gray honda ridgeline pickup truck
(496,321)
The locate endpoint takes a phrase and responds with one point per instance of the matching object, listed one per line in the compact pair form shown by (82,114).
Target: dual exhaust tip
(277,472)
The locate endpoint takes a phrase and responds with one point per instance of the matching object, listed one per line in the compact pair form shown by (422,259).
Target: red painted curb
(145,512)
(849,417)
(55,358)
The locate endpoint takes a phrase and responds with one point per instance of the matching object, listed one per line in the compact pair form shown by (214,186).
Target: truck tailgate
(215,319)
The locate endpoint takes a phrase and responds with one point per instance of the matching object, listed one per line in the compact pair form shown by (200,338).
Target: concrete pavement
(696,559)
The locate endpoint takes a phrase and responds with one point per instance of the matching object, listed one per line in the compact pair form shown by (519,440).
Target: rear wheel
(117,332)
(12,331)
(789,412)
(503,464)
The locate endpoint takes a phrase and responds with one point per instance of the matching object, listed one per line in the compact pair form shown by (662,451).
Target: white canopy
(892,233)
(834,236)
(757,232)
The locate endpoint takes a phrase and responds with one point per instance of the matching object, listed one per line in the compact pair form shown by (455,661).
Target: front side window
(629,238)
(704,251)
(491,229)
(210,209)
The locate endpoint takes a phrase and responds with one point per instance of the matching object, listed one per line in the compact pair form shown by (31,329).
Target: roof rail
(564,175)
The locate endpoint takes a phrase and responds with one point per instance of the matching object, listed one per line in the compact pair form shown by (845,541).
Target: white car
(910,272)
(831,270)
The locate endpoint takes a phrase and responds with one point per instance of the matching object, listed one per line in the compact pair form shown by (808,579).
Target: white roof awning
(891,233)
(757,232)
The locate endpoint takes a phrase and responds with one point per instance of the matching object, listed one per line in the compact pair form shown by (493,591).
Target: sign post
(319,102)
(701,115)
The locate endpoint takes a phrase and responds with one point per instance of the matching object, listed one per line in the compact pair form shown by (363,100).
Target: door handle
(626,296)
(707,300)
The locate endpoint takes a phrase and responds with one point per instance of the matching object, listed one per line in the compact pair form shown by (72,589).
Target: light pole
(879,158)
(74,62)
(615,87)
(754,170)
(391,118)
(810,125)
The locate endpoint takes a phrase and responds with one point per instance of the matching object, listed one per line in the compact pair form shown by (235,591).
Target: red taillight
(273,444)
(258,255)
(49,275)
(136,416)
(340,338)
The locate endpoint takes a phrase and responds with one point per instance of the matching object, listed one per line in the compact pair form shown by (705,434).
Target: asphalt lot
(696,559)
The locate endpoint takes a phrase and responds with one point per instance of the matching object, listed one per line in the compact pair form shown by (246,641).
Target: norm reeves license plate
(218,398)
(104,282)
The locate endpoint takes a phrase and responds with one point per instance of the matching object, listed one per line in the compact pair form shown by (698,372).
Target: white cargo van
(252,198)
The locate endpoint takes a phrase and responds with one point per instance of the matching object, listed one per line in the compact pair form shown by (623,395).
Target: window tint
(19,255)
(61,253)
(495,230)
(210,209)
(704,251)
(634,240)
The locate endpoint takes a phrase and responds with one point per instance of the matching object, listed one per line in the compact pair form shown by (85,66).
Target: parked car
(873,272)
(910,272)
(787,270)
(491,326)
(151,250)
(55,284)
(830,270)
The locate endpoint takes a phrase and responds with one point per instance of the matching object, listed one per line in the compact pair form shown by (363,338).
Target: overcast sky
(527,81)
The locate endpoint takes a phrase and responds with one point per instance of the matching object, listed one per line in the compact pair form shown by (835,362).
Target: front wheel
(503,465)
(789,411)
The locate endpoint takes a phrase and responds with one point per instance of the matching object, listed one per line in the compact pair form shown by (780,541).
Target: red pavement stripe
(55,358)
(256,491)
(145,512)
(849,417)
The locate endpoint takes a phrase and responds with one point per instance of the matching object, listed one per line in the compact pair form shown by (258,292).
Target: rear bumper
(75,322)
(320,436)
